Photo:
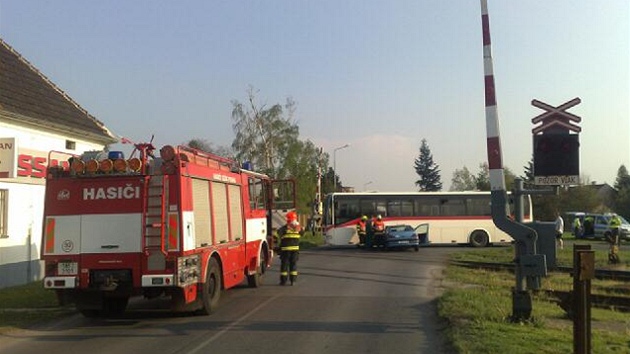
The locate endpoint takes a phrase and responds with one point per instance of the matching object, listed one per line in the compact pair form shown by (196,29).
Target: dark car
(401,236)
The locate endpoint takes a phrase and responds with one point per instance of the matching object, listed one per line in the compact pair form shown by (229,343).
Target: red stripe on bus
(421,218)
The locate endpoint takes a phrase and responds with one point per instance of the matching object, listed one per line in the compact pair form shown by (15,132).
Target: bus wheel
(256,279)
(211,288)
(479,239)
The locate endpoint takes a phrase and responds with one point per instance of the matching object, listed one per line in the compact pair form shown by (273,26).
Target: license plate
(404,242)
(68,268)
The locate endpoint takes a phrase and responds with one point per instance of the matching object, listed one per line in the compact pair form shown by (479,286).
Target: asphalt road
(346,301)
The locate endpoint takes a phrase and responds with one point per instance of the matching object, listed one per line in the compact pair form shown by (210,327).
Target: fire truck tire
(256,280)
(211,288)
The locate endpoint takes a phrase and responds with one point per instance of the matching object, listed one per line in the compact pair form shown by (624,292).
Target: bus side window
(453,207)
(478,207)
(427,207)
(406,208)
(393,208)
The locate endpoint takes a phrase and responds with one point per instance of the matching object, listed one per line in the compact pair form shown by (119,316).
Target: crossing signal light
(556,155)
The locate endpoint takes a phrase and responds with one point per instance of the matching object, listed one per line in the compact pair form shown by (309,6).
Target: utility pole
(335,165)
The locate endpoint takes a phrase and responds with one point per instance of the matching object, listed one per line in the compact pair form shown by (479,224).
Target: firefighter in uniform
(577,227)
(614,224)
(379,231)
(361,230)
(289,249)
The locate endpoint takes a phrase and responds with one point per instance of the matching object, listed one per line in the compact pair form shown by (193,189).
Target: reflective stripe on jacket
(361,228)
(290,241)
(615,222)
(379,226)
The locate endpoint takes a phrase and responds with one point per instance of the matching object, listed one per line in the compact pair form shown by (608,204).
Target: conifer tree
(430,180)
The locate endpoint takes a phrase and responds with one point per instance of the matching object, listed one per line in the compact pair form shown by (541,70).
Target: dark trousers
(361,239)
(288,266)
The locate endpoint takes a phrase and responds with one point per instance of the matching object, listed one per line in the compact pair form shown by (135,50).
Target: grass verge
(26,305)
(478,306)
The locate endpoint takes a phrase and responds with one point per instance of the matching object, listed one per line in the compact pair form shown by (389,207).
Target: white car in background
(598,228)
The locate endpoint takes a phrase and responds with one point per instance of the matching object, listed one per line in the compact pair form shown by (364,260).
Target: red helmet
(291,216)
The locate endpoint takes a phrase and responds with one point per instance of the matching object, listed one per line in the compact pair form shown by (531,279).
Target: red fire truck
(186,225)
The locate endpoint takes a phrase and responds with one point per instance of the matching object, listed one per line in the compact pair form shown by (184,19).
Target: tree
(301,164)
(428,170)
(462,180)
(482,181)
(528,178)
(204,145)
(270,139)
(263,135)
(622,199)
(623,178)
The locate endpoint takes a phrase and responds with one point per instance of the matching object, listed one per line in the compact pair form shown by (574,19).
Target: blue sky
(378,75)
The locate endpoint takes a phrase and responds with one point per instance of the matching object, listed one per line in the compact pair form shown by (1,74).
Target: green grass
(25,305)
(564,257)
(478,306)
(27,296)
(311,240)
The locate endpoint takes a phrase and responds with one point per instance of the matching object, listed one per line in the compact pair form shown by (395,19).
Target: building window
(71,145)
(4,208)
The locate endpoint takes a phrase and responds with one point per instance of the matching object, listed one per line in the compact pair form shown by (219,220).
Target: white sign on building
(8,157)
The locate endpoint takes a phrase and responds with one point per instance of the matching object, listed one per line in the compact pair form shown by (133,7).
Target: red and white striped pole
(519,232)
(524,236)
(495,164)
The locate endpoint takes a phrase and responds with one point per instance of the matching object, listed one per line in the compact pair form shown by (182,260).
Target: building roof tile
(30,98)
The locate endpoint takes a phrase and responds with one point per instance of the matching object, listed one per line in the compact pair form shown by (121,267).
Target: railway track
(564,298)
(603,274)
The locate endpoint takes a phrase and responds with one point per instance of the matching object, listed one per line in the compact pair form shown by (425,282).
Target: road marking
(232,325)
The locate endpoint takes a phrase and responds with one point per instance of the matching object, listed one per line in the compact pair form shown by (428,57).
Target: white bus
(452,217)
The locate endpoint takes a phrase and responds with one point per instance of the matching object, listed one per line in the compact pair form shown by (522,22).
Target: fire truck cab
(185,224)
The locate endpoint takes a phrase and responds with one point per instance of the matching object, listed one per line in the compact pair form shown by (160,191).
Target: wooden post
(583,272)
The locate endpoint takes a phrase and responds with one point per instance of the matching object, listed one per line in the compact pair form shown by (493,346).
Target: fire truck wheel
(211,288)
(256,280)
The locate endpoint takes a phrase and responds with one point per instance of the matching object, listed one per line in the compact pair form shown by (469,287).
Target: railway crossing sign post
(556,149)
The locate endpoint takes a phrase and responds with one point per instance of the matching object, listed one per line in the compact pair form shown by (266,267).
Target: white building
(35,118)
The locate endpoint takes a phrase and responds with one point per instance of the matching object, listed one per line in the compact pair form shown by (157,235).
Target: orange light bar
(106,165)
(78,166)
(120,165)
(135,164)
(91,166)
